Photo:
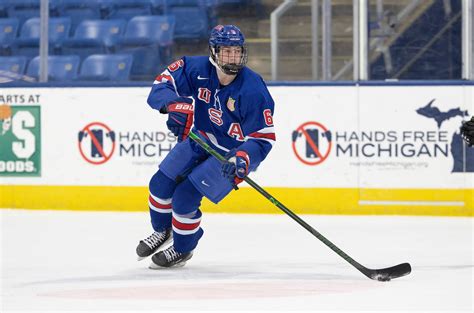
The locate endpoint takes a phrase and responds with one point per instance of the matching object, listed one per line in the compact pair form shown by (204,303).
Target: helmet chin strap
(214,63)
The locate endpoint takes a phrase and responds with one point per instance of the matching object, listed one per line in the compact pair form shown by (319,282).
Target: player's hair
(224,36)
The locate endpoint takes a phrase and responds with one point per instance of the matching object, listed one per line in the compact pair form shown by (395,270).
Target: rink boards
(342,149)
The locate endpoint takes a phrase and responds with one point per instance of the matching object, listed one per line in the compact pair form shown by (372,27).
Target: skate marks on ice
(203,282)
(213,291)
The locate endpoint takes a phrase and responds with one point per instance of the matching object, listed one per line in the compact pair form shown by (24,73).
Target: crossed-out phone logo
(20,140)
(96,143)
(311,143)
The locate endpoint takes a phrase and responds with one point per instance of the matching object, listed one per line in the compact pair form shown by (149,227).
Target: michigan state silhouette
(463,155)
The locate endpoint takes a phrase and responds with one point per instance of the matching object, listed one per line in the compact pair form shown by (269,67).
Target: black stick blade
(386,274)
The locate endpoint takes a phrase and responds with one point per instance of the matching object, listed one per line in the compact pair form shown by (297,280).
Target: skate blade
(168,242)
(153,266)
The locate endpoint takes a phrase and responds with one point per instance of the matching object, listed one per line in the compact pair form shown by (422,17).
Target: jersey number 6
(267,115)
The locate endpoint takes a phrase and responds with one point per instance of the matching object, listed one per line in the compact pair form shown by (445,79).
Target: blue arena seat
(129,8)
(151,29)
(186,3)
(149,39)
(23,9)
(94,37)
(28,42)
(159,7)
(79,10)
(15,64)
(60,67)
(193,3)
(106,67)
(191,22)
(3,9)
(8,31)
(234,2)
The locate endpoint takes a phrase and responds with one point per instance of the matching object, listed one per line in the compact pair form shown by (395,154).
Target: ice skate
(169,258)
(150,245)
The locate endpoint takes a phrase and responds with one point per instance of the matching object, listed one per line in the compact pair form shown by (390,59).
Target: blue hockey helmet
(227,36)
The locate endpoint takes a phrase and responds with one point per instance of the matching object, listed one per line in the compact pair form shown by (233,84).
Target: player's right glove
(180,117)
(236,167)
(467,132)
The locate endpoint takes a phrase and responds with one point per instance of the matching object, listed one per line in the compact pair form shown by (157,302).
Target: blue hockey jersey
(238,115)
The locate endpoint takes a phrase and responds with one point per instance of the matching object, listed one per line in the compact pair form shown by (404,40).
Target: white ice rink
(83,261)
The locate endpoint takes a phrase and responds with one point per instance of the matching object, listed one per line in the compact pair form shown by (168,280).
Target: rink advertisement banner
(96,136)
(20,140)
(339,149)
(372,137)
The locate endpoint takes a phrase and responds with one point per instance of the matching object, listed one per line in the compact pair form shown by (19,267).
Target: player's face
(230,55)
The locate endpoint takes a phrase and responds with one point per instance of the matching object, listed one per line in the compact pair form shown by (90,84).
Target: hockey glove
(236,167)
(180,117)
(467,132)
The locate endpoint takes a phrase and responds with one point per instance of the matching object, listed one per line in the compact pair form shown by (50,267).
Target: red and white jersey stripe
(185,225)
(213,140)
(267,134)
(164,78)
(159,205)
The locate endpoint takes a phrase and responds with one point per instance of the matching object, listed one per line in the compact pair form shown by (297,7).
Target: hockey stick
(384,274)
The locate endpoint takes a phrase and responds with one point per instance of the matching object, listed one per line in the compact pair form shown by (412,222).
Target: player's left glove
(467,132)
(236,167)
(180,117)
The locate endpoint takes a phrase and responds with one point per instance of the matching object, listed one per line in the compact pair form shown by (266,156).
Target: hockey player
(232,111)
(467,132)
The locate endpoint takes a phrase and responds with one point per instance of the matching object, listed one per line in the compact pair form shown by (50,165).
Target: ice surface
(63,261)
